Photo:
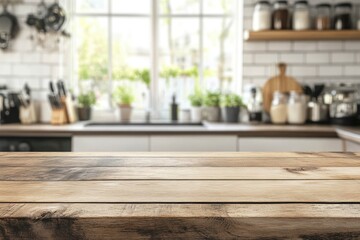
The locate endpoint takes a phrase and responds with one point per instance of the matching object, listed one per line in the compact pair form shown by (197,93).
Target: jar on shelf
(281,15)
(297,108)
(343,16)
(301,16)
(278,110)
(262,16)
(323,16)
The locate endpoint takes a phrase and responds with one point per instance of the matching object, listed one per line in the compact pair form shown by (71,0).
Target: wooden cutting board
(282,83)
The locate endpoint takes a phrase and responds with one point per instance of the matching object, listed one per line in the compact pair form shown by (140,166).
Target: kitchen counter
(179,196)
(242,130)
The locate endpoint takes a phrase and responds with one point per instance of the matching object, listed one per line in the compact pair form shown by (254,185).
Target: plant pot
(212,114)
(231,114)
(125,113)
(196,114)
(84,113)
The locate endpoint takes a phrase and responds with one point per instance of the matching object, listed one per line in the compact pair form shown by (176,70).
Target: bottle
(262,16)
(255,108)
(174,109)
(278,110)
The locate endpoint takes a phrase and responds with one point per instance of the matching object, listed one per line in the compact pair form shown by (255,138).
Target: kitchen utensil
(281,83)
(343,109)
(9,27)
(55,18)
(318,111)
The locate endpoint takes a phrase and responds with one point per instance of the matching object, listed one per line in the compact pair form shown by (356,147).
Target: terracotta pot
(125,113)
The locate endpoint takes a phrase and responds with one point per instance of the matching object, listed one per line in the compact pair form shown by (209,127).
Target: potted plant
(212,106)
(196,101)
(85,103)
(124,97)
(231,104)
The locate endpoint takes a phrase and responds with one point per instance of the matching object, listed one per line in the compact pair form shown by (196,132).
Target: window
(155,48)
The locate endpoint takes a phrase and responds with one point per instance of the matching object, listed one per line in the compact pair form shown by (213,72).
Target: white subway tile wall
(25,62)
(309,61)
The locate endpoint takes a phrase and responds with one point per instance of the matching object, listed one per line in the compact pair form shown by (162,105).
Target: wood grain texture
(302,35)
(177,173)
(181,191)
(179,196)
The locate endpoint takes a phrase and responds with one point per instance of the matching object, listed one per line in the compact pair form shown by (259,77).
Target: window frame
(155,16)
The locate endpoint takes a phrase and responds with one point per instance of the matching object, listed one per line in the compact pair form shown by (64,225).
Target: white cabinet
(352,147)
(193,143)
(290,145)
(110,143)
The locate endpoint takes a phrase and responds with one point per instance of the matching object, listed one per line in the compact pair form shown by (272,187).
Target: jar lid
(263,2)
(323,5)
(282,1)
(302,2)
(344,4)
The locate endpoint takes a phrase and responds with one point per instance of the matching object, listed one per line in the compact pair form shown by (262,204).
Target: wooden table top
(179,196)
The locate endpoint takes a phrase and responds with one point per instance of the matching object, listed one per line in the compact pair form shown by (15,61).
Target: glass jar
(301,16)
(281,15)
(255,107)
(296,108)
(343,16)
(278,110)
(262,16)
(323,17)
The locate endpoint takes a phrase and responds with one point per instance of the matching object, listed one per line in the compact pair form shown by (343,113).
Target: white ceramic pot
(196,114)
(125,113)
(212,114)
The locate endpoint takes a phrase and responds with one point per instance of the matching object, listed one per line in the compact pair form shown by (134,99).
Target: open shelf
(313,35)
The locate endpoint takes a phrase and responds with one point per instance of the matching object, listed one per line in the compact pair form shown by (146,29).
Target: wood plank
(178,173)
(180,228)
(311,35)
(67,162)
(75,210)
(260,191)
(184,155)
(215,221)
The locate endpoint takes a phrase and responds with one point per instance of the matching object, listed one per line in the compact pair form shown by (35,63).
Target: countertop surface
(208,128)
(179,196)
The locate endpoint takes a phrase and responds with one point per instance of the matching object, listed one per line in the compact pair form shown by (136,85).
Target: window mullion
(110,54)
(201,45)
(154,88)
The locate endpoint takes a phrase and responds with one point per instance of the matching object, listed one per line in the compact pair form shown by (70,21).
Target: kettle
(344,109)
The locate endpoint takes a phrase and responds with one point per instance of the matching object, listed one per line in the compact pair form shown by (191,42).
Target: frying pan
(9,27)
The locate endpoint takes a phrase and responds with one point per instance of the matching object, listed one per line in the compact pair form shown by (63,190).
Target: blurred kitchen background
(180,61)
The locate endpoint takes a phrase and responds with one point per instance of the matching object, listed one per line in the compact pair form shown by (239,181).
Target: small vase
(84,113)
(231,114)
(125,113)
(196,114)
(212,114)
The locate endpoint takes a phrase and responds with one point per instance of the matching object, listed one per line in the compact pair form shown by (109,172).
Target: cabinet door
(290,145)
(352,147)
(111,144)
(194,143)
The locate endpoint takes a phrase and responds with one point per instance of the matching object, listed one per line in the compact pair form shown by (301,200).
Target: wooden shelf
(290,35)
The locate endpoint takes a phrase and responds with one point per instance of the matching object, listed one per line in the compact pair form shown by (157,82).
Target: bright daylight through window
(155,49)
